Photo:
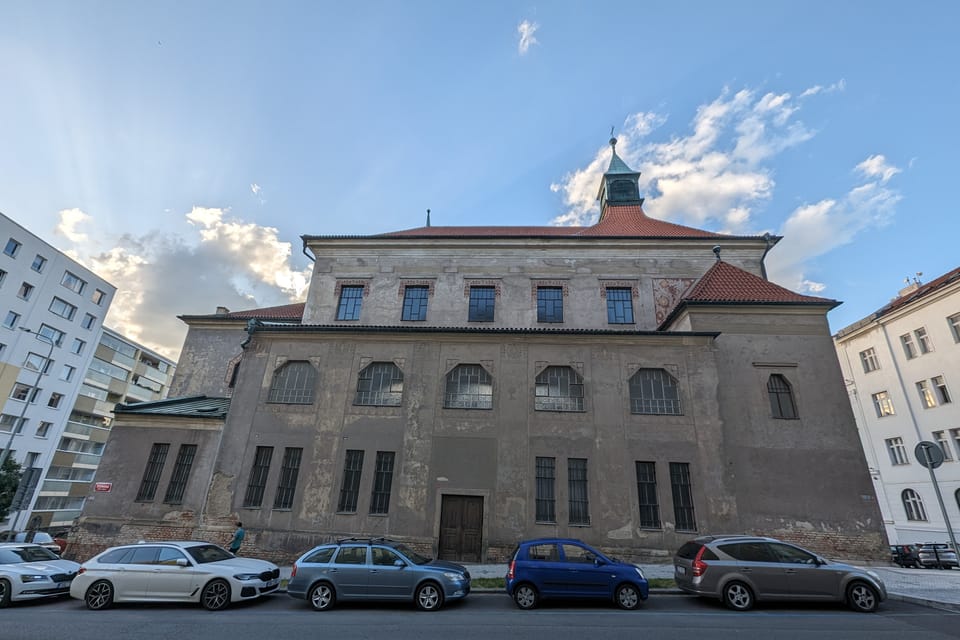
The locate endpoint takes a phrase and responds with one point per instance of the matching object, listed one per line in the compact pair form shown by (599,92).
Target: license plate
(681,571)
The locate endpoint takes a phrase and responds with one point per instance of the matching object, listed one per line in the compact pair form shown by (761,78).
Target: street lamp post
(26,405)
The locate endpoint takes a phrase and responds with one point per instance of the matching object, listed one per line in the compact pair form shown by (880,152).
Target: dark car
(936,556)
(32,537)
(568,568)
(905,555)
(375,569)
(742,570)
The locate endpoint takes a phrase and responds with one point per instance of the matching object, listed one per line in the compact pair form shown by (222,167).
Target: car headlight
(639,571)
(247,576)
(452,575)
(33,578)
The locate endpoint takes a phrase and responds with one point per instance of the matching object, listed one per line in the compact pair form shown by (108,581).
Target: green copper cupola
(620,183)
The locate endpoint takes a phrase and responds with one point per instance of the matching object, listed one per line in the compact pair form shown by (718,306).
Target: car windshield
(26,554)
(209,553)
(412,555)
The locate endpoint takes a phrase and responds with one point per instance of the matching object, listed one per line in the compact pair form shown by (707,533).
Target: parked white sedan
(172,572)
(29,571)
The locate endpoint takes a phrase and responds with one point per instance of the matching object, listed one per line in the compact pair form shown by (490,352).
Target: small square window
(12,248)
(67,373)
(98,297)
(26,290)
(54,402)
(39,263)
(3,276)
(88,321)
(44,429)
(12,320)
(77,346)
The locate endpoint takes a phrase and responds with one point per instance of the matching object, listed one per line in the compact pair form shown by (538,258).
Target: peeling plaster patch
(623,533)
(220,498)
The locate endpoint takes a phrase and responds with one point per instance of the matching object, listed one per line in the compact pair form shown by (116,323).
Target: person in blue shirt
(237,539)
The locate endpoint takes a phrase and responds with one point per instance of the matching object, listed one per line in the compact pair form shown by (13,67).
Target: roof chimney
(222,311)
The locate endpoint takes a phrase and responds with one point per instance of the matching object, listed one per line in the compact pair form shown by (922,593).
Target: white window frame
(940,437)
(869,360)
(883,404)
(923,340)
(926,395)
(897,451)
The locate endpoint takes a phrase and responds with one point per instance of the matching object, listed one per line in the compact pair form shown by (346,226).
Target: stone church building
(633,383)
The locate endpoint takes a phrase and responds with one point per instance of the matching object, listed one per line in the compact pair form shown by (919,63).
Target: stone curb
(925,602)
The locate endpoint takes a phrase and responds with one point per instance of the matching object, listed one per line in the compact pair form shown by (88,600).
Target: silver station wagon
(741,570)
(375,569)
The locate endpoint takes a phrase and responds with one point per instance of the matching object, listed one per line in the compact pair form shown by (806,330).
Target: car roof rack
(364,539)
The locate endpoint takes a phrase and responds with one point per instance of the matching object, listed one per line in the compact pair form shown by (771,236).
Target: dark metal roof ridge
(338,328)
(139,407)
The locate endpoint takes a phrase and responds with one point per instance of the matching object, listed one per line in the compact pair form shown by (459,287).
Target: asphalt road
(481,615)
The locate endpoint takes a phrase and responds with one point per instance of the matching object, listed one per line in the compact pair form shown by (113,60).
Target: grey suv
(740,570)
(375,569)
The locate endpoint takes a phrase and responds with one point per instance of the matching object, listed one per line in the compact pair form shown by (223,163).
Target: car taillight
(293,572)
(81,570)
(510,570)
(699,566)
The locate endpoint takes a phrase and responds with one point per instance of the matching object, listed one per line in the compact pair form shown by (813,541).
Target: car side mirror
(820,561)
(182,562)
(399,563)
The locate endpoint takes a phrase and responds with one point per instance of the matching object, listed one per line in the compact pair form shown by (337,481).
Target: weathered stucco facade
(470,482)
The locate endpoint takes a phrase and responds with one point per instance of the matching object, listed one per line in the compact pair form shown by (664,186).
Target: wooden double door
(461,524)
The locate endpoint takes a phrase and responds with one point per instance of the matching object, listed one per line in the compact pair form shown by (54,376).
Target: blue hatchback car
(568,568)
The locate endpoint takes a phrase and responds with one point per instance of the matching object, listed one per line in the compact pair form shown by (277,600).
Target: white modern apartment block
(121,371)
(51,314)
(902,369)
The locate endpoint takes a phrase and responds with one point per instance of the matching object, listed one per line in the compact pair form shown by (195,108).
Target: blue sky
(180,149)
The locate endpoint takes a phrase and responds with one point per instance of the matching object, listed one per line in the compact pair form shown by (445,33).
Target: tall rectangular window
(151,475)
(350,488)
(88,321)
(181,473)
(38,263)
(923,340)
(941,386)
(682,496)
(953,321)
(12,320)
(944,442)
(926,394)
(482,302)
(382,483)
(882,404)
(909,349)
(289,472)
(647,495)
(98,297)
(549,304)
(898,452)
(955,436)
(351,299)
(577,484)
(620,305)
(12,248)
(868,358)
(546,489)
(26,290)
(415,302)
(258,477)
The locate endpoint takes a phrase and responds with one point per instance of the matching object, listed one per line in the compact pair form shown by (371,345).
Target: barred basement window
(382,482)
(380,384)
(181,472)
(579,497)
(293,383)
(559,389)
(469,386)
(350,489)
(655,392)
(546,490)
(258,477)
(682,496)
(647,494)
(151,475)
(289,472)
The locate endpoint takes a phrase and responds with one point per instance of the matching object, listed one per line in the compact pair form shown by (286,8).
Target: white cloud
(876,167)
(257,192)
(839,85)
(225,261)
(527,29)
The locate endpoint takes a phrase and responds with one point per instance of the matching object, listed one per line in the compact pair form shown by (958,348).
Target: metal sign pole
(936,489)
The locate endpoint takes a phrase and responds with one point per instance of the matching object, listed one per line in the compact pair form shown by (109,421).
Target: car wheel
(526,596)
(862,597)
(99,595)
(429,597)
(322,597)
(4,593)
(628,597)
(738,596)
(216,595)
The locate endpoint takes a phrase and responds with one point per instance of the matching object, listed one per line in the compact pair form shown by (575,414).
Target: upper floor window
(619,305)
(953,321)
(913,505)
(51,335)
(944,441)
(12,320)
(559,389)
(37,362)
(923,340)
(98,297)
(3,276)
(897,451)
(88,321)
(654,391)
(868,358)
(77,346)
(55,399)
(780,392)
(549,304)
(883,404)
(469,386)
(941,387)
(293,383)
(67,372)
(380,384)
(72,282)
(482,302)
(351,299)
(926,394)
(26,290)
(24,392)
(909,349)
(62,308)
(39,263)
(415,302)
(12,248)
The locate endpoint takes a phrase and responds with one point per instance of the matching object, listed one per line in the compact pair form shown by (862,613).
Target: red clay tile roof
(922,291)
(283,312)
(724,282)
(621,221)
